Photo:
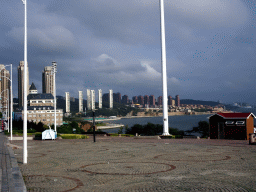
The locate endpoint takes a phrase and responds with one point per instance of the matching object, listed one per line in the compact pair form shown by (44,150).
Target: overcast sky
(115,44)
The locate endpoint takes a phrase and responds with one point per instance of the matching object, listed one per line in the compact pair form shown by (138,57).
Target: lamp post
(25,146)
(54,71)
(164,73)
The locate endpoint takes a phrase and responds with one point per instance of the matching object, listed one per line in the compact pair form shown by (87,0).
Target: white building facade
(93,99)
(100,98)
(80,101)
(89,106)
(111,99)
(67,102)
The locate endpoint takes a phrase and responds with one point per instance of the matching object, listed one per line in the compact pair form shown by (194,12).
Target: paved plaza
(128,164)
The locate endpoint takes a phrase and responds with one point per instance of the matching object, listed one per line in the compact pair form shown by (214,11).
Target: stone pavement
(128,164)
(10,175)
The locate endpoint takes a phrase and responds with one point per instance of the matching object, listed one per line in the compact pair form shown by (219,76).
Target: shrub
(74,136)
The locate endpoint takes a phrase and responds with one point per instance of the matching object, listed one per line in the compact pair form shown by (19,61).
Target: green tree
(202,128)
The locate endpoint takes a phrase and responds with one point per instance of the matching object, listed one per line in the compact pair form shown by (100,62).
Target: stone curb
(16,181)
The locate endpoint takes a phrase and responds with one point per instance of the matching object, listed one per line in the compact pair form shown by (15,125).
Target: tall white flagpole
(11,102)
(164,74)
(25,152)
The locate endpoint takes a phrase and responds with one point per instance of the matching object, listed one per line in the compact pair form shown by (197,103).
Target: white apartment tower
(80,101)
(100,98)
(4,86)
(21,83)
(89,106)
(67,102)
(110,98)
(47,80)
(93,99)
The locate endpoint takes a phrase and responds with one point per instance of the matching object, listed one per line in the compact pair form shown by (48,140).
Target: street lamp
(54,71)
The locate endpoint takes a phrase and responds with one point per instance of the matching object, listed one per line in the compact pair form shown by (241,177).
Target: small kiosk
(49,134)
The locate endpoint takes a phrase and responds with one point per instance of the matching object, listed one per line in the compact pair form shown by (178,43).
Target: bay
(181,122)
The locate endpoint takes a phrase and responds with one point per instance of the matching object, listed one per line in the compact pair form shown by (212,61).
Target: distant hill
(198,102)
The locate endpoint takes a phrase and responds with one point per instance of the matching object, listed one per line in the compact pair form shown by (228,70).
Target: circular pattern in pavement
(127,168)
(51,183)
(193,158)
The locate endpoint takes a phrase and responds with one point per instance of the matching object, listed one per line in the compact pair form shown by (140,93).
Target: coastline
(170,114)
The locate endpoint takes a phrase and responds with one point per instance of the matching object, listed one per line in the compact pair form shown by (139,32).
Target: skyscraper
(47,80)
(111,99)
(117,97)
(146,100)
(4,86)
(93,99)
(67,102)
(160,101)
(152,100)
(80,101)
(21,83)
(100,98)
(125,99)
(169,100)
(141,100)
(177,100)
(89,106)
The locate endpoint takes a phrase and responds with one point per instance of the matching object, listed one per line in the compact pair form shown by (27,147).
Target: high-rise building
(47,80)
(93,99)
(152,100)
(110,98)
(21,83)
(146,100)
(67,102)
(177,100)
(160,101)
(125,99)
(169,100)
(117,97)
(89,102)
(141,100)
(135,99)
(80,93)
(4,86)
(100,98)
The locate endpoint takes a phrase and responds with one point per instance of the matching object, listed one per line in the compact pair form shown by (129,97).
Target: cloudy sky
(115,44)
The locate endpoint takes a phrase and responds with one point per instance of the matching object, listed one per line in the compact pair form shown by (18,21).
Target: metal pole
(8,114)
(11,103)
(93,115)
(164,73)
(54,65)
(25,152)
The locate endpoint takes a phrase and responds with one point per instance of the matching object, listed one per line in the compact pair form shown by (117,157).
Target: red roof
(235,115)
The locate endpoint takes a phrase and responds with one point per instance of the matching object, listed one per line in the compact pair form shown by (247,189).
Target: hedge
(73,136)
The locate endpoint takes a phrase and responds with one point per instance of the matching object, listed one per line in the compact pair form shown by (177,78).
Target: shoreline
(172,114)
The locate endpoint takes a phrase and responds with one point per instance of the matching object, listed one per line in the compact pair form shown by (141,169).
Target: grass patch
(171,137)
(122,135)
(73,136)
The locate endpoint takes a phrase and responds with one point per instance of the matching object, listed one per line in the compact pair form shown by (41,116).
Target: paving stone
(128,164)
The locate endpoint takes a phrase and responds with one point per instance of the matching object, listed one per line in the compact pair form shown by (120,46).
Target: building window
(40,101)
(33,101)
(48,119)
(29,115)
(34,115)
(229,122)
(240,123)
(43,115)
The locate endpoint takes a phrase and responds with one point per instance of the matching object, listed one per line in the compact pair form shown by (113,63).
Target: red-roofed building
(231,125)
